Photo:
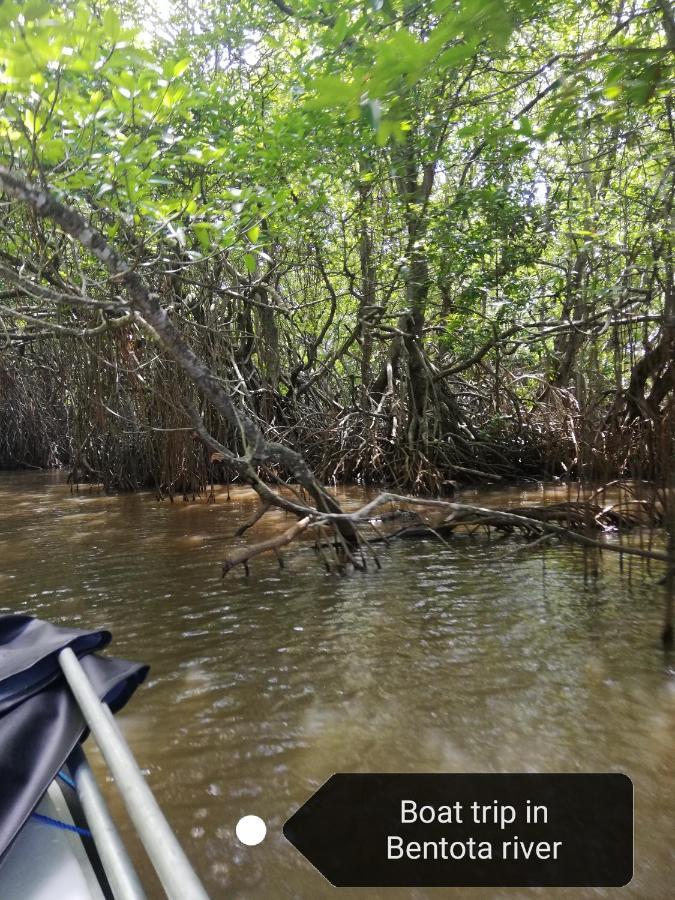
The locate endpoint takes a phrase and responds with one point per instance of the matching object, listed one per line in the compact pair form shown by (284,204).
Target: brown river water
(467,658)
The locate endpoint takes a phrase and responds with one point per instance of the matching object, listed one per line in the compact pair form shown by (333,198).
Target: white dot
(251,830)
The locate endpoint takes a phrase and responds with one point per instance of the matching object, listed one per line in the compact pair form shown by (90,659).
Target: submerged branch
(536,523)
(241,557)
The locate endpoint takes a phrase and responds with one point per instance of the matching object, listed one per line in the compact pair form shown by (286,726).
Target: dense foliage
(418,241)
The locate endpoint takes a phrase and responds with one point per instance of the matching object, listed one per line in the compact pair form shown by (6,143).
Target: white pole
(115,860)
(167,856)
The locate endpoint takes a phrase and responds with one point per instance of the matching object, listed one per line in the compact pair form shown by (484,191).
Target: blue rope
(47,820)
(67,779)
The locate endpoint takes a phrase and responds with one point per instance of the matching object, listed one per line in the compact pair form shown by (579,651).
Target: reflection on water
(465,658)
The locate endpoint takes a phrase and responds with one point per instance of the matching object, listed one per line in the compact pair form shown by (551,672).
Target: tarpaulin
(40,721)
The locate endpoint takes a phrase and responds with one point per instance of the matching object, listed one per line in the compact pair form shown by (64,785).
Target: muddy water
(469,658)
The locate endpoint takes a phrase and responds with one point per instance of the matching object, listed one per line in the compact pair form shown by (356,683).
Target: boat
(57,837)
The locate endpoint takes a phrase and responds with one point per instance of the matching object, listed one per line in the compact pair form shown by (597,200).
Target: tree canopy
(413,242)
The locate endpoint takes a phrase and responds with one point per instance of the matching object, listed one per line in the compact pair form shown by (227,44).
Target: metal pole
(119,869)
(171,864)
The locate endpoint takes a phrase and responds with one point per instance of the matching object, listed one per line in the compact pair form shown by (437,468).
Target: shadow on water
(468,658)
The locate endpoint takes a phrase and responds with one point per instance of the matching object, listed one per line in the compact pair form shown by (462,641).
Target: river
(471,657)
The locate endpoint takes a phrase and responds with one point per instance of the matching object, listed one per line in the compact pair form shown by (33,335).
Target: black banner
(366,830)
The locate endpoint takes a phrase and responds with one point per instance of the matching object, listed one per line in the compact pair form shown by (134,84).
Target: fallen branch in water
(534,522)
(241,557)
(536,526)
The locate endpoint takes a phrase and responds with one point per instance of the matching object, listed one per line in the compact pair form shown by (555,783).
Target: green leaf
(203,233)
(111,24)
(332,91)
(53,151)
(22,66)
(8,12)
(250,263)
(340,27)
(457,55)
(36,9)
(253,233)
(180,67)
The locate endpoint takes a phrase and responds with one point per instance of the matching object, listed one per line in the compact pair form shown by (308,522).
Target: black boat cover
(40,721)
